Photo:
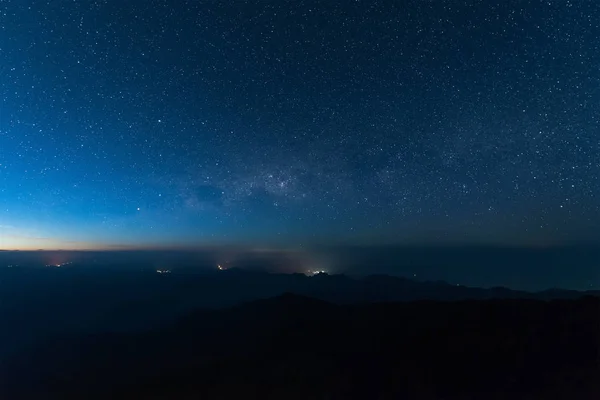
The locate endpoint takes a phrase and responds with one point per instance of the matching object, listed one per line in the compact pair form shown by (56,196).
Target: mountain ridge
(312,347)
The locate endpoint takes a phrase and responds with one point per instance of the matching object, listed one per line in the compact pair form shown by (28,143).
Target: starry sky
(278,122)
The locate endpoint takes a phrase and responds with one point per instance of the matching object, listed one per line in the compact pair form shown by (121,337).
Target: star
(278,130)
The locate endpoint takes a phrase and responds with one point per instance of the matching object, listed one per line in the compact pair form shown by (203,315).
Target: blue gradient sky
(294,123)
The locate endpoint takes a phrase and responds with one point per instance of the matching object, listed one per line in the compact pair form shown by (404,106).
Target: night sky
(291,123)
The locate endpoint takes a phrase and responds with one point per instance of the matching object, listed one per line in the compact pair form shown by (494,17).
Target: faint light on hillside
(58,265)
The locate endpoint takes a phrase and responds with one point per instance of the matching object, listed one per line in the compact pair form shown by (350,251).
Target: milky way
(297,122)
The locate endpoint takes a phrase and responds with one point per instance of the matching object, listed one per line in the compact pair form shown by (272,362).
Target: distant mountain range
(342,289)
(51,301)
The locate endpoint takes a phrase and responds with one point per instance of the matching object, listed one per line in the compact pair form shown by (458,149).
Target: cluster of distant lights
(220,267)
(311,272)
(163,271)
(168,271)
(58,265)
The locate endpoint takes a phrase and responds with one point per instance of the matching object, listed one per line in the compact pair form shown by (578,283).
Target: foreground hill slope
(293,346)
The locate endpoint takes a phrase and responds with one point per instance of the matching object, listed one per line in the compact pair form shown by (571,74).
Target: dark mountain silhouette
(78,299)
(293,346)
